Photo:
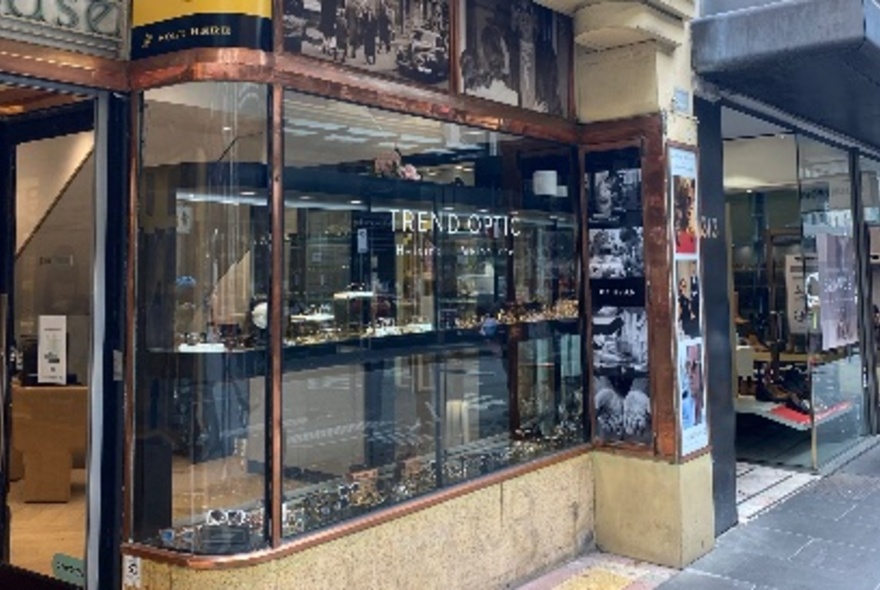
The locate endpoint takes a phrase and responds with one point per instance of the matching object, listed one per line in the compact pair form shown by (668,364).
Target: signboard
(175,25)
(69,569)
(691,386)
(52,350)
(88,27)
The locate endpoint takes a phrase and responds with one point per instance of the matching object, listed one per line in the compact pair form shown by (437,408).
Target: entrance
(47,256)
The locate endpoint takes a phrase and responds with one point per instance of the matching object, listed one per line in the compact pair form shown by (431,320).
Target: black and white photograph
(617,253)
(613,193)
(404,38)
(687,278)
(518,53)
(623,409)
(620,339)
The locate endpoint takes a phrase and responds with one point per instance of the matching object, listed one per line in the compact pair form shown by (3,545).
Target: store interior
(799,395)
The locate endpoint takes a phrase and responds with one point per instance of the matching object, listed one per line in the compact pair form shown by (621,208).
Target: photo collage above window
(514,52)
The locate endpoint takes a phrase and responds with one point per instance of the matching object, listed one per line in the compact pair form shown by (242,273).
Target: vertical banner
(165,26)
(688,303)
(838,308)
(52,350)
(619,317)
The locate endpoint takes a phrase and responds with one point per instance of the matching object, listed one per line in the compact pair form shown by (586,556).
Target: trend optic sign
(165,26)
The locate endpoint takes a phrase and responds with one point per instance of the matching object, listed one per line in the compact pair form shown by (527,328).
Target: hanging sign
(52,350)
(173,25)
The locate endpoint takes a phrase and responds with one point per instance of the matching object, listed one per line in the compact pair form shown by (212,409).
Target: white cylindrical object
(544,182)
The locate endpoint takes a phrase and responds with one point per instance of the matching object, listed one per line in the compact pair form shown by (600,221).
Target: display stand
(786,416)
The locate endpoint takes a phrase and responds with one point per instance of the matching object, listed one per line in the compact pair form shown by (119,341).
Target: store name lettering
(212,31)
(420,222)
(99,17)
(709,227)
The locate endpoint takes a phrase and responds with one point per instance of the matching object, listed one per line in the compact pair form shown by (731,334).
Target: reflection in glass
(203,247)
(432,331)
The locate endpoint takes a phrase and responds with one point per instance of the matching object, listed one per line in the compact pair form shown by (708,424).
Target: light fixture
(227,128)
(750,191)
(482,210)
(448,208)
(356,202)
(306,198)
(459,167)
(248,193)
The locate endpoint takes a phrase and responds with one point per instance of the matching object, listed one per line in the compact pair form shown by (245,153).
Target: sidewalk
(825,537)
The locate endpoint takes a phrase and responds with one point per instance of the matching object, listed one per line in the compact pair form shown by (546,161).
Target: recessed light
(448,208)
(750,191)
(482,210)
(248,193)
(459,167)
(306,198)
(356,202)
(227,128)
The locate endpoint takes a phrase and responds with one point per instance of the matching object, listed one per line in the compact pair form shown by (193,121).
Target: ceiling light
(370,132)
(750,191)
(482,210)
(227,128)
(248,193)
(459,167)
(448,208)
(356,202)
(306,198)
(308,123)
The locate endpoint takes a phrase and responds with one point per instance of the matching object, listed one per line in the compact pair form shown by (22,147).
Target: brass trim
(198,562)
(128,462)
(37,61)
(277,311)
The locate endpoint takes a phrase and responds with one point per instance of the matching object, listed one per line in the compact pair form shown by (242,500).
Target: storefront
(796,164)
(367,282)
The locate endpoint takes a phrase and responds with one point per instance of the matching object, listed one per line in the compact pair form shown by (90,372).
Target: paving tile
(764,541)
(830,530)
(757,480)
(688,580)
(843,559)
(866,464)
(762,570)
(816,506)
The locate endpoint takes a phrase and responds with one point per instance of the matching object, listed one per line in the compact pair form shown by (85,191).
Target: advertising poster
(408,40)
(838,309)
(687,300)
(517,52)
(687,291)
(52,350)
(683,175)
(692,403)
(618,296)
(802,291)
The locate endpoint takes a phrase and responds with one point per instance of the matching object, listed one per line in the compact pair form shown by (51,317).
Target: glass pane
(870,182)
(203,259)
(832,381)
(432,332)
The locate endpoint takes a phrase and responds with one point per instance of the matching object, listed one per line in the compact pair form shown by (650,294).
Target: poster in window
(801,288)
(405,39)
(692,392)
(838,309)
(623,408)
(518,53)
(52,350)
(683,174)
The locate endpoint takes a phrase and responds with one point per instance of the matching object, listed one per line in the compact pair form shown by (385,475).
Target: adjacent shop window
(617,291)
(202,283)
(433,331)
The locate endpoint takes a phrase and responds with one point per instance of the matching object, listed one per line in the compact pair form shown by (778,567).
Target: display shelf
(786,416)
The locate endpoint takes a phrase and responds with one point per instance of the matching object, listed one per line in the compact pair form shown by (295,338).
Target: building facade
(373,293)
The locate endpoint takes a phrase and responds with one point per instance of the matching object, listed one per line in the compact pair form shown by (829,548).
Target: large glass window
(432,291)
(201,333)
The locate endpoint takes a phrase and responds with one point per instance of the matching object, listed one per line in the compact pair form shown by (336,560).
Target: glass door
(834,376)
(46,308)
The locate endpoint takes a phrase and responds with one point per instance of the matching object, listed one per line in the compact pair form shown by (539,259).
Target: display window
(431,331)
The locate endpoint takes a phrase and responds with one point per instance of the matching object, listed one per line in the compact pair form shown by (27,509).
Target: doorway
(49,196)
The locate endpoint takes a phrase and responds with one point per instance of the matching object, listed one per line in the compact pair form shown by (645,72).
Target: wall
(488,539)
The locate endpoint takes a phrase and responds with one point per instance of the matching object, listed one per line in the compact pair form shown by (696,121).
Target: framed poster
(687,277)
(619,316)
(516,52)
(405,39)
